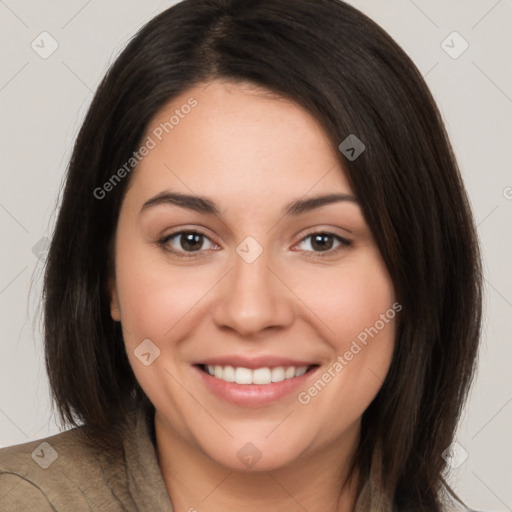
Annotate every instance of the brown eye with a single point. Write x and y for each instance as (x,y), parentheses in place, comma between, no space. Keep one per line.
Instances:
(190,241)
(185,242)
(323,242)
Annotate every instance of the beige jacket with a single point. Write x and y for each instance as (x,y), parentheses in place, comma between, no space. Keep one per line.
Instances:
(61,473)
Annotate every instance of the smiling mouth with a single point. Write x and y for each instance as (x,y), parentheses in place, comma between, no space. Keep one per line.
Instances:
(258,376)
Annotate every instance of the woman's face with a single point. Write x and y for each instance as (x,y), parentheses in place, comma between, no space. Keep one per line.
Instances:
(215,272)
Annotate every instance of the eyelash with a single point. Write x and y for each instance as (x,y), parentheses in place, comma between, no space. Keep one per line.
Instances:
(344,243)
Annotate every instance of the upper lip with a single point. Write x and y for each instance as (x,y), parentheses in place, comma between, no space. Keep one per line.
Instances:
(255,362)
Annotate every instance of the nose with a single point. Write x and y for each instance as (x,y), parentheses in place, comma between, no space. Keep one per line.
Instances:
(252,298)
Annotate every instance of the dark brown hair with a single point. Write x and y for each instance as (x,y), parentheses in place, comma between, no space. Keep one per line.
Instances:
(344,69)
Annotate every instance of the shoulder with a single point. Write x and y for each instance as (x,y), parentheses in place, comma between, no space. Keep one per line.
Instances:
(52,474)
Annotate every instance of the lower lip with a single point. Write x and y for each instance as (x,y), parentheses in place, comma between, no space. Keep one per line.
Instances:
(253,394)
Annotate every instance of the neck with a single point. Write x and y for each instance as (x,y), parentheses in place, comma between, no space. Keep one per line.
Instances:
(317,482)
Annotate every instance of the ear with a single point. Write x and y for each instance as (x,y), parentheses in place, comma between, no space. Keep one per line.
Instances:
(115,311)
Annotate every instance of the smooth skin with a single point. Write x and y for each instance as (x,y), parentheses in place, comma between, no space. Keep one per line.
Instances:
(251,153)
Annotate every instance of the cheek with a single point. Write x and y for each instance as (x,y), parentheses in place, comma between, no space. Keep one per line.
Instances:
(140,292)
(348,299)
(156,297)
(364,304)
(365,325)
(357,305)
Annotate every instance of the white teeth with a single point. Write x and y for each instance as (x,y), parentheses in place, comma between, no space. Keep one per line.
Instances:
(265,375)
(262,376)
(243,376)
(289,372)
(301,371)
(277,374)
(228,374)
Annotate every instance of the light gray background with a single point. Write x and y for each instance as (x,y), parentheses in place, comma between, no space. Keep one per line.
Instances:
(44,100)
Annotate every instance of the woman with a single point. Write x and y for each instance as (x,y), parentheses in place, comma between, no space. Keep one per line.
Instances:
(264,287)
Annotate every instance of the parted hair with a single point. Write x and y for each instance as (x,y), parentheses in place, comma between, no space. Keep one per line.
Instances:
(350,74)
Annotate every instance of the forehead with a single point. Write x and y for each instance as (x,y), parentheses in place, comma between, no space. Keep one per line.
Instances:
(238,139)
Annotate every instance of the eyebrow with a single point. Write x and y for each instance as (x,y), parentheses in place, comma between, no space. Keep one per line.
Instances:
(204,205)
